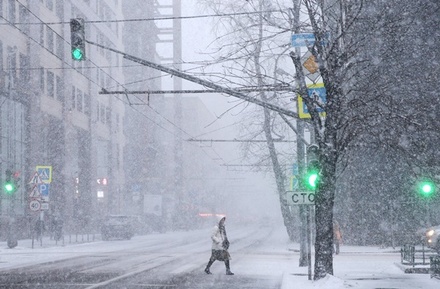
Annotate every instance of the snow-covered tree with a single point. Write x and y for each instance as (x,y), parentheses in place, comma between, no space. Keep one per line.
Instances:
(362,53)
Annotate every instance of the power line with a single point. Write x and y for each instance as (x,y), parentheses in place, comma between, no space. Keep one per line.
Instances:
(91,80)
(61,59)
(236,140)
(152,19)
(118,84)
(194,91)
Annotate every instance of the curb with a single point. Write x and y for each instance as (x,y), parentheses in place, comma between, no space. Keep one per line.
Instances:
(413,270)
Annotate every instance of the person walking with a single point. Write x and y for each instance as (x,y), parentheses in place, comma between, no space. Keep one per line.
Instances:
(337,236)
(220,246)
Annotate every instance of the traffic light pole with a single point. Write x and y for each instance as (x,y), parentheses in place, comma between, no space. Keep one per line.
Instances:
(12,236)
(300,148)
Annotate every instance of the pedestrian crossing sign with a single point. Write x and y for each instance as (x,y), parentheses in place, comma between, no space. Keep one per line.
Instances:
(318,93)
(45,173)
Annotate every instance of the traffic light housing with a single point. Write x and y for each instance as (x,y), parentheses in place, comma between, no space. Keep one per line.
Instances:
(11,185)
(426,188)
(311,175)
(77,39)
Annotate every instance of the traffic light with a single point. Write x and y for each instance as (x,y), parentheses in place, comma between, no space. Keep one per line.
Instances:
(312,179)
(311,175)
(10,185)
(426,188)
(77,39)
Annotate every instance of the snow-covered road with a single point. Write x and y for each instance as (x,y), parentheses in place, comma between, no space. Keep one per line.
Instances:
(262,257)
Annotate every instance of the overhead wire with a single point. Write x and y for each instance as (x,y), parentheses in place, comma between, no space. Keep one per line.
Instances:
(156,18)
(91,80)
(74,68)
(105,72)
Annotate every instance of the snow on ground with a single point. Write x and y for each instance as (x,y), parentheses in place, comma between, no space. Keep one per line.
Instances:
(354,267)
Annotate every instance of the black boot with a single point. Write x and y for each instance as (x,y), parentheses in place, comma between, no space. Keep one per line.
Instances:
(208,266)
(207,271)
(228,269)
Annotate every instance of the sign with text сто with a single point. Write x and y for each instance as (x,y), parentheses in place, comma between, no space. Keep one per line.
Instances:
(300,198)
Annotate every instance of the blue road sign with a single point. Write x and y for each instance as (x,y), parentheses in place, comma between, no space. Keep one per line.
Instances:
(44,189)
(45,173)
(318,92)
(307,39)
(303,39)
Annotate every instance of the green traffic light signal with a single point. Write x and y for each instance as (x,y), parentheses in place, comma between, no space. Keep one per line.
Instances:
(77,54)
(9,187)
(311,180)
(426,188)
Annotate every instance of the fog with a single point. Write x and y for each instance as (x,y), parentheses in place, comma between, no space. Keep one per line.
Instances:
(163,114)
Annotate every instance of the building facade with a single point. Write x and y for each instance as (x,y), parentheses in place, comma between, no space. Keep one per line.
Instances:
(53,115)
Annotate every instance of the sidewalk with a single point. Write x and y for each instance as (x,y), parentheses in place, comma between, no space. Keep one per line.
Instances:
(363,267)
(47,241)
(29,252)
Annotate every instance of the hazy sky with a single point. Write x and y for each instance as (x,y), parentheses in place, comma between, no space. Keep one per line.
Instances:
(256,191)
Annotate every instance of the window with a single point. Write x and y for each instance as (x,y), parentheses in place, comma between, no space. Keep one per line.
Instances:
(79,100)
(108,81)
(42,34)
(12,65)
(50,83)
(49,4)
(1,8)
(59,46)
(11,10)
(102,113)
(107,115)
(73,97)
(24,69)
(60,8)
(102,79)
(23,18)
(50,40)
(87,104)
(60,92)
(42,80)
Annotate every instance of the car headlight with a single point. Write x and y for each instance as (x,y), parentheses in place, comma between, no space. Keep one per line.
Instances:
(430,233)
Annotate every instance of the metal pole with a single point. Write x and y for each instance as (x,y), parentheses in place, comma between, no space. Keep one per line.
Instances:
(200,81)
(309,242)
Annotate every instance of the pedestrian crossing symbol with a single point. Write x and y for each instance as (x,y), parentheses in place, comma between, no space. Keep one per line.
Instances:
(45,173)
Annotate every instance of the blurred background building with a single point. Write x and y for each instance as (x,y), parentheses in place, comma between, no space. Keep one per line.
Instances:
(105,153)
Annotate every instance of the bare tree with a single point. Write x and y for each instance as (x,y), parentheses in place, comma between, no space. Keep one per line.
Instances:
(351,41)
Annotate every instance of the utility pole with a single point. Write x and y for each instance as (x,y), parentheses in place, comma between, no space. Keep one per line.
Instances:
(300,148)
(179,185)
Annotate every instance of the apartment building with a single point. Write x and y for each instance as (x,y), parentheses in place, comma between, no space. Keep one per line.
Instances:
(51,112)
